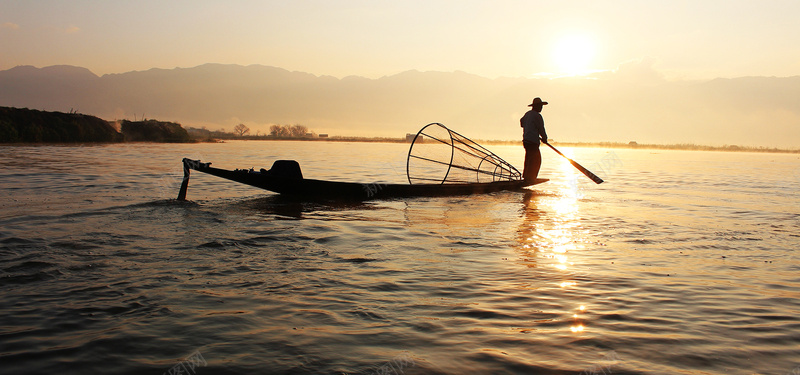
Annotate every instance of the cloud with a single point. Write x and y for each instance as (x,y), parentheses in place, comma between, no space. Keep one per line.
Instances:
(641,71)
(10,26)
(72,30)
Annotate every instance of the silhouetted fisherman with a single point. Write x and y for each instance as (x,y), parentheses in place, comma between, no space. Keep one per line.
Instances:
(532,125)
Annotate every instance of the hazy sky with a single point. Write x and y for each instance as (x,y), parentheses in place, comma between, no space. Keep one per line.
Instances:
(686,39)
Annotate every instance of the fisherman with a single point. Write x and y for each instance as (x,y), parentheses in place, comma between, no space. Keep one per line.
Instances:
(532,125)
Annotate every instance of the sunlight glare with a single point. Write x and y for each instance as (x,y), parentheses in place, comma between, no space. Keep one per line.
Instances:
(578,328)
(573,54)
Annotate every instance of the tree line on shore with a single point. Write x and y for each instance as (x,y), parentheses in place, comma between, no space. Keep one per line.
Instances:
(22,125)
(241,131)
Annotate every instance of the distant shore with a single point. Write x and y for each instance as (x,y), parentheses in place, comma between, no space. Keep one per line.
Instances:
(683,146)
(23,125)
(26,126)
(617,145)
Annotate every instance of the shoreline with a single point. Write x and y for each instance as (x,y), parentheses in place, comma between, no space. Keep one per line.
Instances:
(614,145)
(25,127)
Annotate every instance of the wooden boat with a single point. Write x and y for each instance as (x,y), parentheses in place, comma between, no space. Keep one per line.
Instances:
(471,169)
(282,179)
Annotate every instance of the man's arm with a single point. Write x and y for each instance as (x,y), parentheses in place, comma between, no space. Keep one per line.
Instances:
(540,128)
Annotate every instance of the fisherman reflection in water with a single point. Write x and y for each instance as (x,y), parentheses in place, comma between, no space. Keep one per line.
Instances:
(532,125)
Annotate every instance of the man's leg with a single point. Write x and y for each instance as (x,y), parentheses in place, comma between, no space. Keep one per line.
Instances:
(528,161)
(533,162)
(536,163)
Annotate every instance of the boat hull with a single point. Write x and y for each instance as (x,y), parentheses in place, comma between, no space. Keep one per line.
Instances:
(320,189)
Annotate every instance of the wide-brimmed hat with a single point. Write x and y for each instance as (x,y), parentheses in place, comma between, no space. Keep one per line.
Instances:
(537,101)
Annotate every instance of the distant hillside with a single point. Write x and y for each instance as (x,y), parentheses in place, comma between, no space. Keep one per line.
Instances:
(32,126)
(632,103)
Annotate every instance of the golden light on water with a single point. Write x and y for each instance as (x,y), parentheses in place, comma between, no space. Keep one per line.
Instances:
(551,230)
(554,241)
(578,326)
(561,237)
(549,225)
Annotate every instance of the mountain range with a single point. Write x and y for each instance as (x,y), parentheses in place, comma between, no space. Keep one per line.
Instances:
(632,103)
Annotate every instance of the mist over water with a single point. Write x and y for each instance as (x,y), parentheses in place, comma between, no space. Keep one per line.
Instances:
(681,262)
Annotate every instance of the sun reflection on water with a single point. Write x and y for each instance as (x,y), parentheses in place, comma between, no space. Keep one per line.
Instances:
(550,235)
(550,231)
(578,325)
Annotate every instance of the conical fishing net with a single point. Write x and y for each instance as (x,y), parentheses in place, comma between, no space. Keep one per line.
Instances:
(439,155)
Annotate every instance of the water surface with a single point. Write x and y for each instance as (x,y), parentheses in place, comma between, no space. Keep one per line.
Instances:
(682,262)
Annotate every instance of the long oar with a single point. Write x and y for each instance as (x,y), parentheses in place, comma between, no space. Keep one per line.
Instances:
(583,170)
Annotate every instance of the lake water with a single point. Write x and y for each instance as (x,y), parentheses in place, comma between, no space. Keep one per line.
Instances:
(681,263)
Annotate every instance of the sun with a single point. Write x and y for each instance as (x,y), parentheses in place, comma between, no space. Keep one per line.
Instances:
(574,54)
